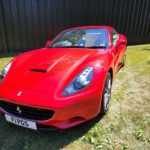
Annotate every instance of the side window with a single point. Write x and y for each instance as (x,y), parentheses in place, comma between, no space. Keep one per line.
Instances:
(114,36)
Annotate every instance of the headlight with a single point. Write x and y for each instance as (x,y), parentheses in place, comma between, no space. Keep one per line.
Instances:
(80,82)
(5,71)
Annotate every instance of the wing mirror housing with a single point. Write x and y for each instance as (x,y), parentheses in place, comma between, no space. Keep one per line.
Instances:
(48,42)
(122,40)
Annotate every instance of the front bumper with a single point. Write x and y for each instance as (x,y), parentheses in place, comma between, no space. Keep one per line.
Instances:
(68,111)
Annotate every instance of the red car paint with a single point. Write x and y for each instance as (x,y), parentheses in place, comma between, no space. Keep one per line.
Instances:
(44,90)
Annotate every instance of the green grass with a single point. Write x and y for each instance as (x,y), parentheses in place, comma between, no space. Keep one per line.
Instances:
(126,125)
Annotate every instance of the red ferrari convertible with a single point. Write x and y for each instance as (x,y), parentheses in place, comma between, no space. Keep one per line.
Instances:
(64,84)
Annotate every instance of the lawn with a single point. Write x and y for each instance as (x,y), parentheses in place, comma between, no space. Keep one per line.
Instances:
(126,125)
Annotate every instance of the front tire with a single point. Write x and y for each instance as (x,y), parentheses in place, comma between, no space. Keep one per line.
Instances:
(106,94)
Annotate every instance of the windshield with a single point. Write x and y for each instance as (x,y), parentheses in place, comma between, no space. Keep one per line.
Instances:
(86,38)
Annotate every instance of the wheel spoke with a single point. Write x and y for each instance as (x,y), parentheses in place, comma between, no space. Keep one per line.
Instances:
(109,84)
(107,94)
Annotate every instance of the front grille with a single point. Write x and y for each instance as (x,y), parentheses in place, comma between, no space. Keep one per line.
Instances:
(26,112)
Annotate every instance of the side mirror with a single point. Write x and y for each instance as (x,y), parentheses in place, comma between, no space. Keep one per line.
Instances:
(122,39)
(48,42)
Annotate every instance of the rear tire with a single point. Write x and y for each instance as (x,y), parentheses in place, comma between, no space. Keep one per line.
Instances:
(124,60)
(106,94)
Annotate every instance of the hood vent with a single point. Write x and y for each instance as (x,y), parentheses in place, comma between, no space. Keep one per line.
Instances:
(38,70)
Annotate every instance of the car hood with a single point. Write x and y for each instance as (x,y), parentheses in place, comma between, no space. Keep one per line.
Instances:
(48,68)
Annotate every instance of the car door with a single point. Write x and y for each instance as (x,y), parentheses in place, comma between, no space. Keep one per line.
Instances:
(115,50)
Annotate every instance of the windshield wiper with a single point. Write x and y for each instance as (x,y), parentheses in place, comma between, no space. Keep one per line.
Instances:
(96,47)
(74,46)
(67,47)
